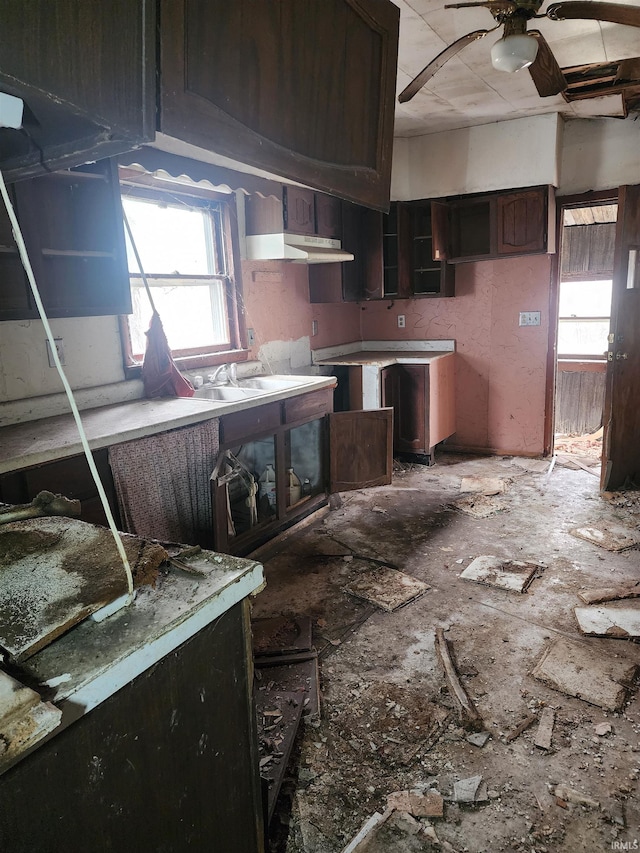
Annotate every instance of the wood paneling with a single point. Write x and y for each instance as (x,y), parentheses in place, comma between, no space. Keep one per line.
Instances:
(588,249)
(579,401)
(167,763)
(305,90)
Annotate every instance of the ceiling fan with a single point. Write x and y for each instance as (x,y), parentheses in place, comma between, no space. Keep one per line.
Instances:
(519,48)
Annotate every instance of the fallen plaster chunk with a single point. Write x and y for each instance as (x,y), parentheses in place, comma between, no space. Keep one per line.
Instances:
(544,734)
(471,790)
(581,671)
(479,506)
(387,588)
(416,803)
(570,795)
(478,738)
(603,729)
(487,486)
(612,537)
(609,593)
(513,575)
(610,620)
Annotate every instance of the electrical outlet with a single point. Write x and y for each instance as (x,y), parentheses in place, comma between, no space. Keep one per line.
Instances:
(529,318)
(314,328)
(251,337)
(401,321)
(60,349)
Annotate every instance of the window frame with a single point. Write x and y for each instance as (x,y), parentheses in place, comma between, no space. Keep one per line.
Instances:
(144,185)
(583,276)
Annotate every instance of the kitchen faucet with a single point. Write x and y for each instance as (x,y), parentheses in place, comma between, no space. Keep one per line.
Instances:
(224,374)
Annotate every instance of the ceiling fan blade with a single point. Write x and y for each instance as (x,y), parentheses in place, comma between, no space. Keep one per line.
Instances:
(436,64)
(593,10)
(545,71)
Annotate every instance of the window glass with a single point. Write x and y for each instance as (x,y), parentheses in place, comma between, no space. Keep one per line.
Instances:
(583,324)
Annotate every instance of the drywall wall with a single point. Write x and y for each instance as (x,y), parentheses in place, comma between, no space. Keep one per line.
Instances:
(501,367)
(502,155)
(599,154)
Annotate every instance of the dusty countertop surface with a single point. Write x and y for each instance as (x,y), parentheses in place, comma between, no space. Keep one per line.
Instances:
(384,358)
(89,663)
(36,442)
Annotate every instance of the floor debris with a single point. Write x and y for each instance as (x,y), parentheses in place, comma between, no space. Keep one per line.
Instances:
(281,635)
(520,728)
(387,588)
(24,719)
(603,729)
(479,506)
(609,593)
(471,790)
(514,575)
(478,738)
(394,831)
(416,803)
(570,795)
(544,735)
(487,486)
(610,620)
(467,711)
(579,670)
(614,537)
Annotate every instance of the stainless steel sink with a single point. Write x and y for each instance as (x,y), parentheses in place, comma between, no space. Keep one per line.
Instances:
(273,383)
(229,393)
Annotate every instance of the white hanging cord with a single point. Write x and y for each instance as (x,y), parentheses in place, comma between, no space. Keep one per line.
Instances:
(17,234)
(138,261)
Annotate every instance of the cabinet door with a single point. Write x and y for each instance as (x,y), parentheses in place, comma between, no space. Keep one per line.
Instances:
(72,225)
(328,216)
(522,222)
(299,210)
(361,449)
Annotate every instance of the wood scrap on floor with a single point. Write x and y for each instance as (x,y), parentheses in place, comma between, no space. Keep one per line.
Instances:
(388,589)
(609,593)
(280,635)
(616,619)
(612,537)
(579,670)
(479,506)
(467,711)
(520,728)
(395,831)
(513,575)
(544,735)
(570,795)
(24,719)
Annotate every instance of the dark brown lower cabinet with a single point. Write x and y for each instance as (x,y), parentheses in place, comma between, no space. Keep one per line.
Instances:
(168,763)
(279,462)
(423,401)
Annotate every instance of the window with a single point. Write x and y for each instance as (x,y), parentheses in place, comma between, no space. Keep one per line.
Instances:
(185,246)
(583,322)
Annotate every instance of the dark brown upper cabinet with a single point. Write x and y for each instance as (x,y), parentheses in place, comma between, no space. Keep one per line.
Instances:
(298,211)
(494,225)
(86,73)
(304,90)
(72,226)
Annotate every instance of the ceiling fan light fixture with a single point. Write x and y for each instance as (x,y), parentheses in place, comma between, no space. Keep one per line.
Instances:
(514,52)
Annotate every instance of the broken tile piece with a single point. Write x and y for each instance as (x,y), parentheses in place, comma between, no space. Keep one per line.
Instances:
(603,729)
(613,537)
(544,733)
(387,588)
(467,790)
(478,738)
(514,575)
(610,620)
(486,486)
(581,671)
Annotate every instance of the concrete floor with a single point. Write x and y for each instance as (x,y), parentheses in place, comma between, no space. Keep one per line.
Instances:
(388,721)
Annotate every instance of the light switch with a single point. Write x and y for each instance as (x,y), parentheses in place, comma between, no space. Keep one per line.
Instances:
(529,318)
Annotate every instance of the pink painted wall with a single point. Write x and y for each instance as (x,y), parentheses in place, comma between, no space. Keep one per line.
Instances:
(277,307)
(501,367)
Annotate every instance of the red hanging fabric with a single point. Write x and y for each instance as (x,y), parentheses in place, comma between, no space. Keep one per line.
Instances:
(160,374)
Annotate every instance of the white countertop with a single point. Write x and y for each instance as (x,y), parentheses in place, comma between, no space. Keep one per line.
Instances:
(36,442)
(384,358)
(91,662)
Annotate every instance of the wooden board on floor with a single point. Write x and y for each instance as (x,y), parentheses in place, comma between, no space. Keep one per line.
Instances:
(387,588)
(580,670)
(612,537)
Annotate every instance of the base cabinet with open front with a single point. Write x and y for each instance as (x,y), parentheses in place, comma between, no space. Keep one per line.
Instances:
(279,461)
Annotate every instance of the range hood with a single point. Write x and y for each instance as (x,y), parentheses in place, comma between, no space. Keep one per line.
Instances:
(298,248)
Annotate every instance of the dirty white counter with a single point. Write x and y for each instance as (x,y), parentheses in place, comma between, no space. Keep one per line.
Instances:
(373,356)
(35,442)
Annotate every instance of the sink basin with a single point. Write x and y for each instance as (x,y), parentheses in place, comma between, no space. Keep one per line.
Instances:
(272,383)
(226,392)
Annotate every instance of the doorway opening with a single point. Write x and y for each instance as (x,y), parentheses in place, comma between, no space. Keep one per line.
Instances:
(584,296)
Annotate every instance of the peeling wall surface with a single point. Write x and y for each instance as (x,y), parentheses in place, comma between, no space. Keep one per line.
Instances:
(500,374)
